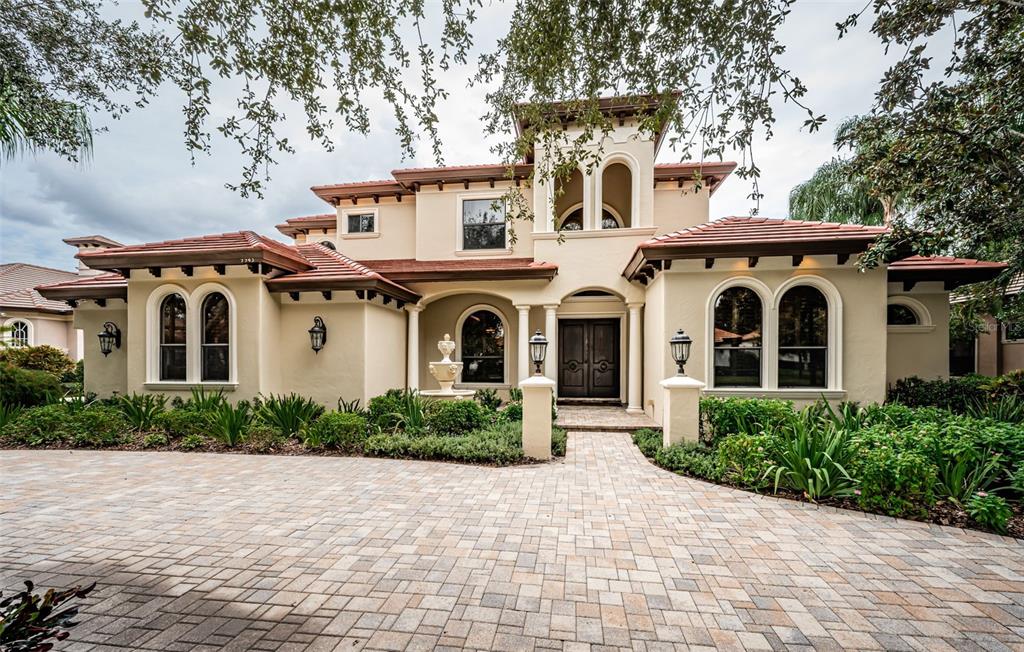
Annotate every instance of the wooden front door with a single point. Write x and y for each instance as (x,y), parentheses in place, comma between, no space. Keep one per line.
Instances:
(588,358)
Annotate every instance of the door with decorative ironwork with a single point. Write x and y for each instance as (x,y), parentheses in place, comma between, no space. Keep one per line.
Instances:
(588,358)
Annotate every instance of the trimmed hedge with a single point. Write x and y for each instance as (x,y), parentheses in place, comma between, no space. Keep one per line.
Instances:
(500,445)
(342,430)
(454,417)
(54,425)
(721,417)
(26,387)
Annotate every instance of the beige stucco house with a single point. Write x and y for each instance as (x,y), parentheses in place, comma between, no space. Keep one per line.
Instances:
(609,269)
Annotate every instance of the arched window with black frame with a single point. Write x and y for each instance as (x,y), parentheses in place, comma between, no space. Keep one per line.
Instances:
(739,315)
(803,338)
(173,353)
(483,348)
(215,361)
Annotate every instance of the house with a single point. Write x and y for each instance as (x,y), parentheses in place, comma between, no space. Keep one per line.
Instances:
(30,318)
(998,349)
(609,269)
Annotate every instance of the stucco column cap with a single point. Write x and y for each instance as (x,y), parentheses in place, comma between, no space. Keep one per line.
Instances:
(682,382)
(537,382)
(414,307)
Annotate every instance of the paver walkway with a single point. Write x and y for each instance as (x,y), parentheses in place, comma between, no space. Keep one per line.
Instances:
(207,551)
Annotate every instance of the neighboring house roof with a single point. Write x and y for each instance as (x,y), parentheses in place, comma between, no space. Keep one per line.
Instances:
(405,270)
(333,270)
(954,272)
(751,237)
(100,287)
(17,283)
(223,249)
(93,240)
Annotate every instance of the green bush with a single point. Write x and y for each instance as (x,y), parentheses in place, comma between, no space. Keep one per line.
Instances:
(511,413)
(192,441)
(454,417)
(990,511)
(721,417)
(1004,408)
(352,407)
(488,399)
(384,410)
(745,460)
(693,459)
(501,445)
(26,387)
(155,440)
(559,442)
(39,426)
(894,481)
(8,413)
(39,358)
(55,424)
(342,430)
(182,422)
(142,410)
(813,456)
(205,401)
(98,426)
(229,423)
(648,441)
(290,413)
(955,393)
(261,438)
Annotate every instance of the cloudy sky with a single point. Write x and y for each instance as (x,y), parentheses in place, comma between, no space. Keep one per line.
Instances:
(140,185)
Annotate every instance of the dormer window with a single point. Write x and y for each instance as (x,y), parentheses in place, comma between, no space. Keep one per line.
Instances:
(483,224)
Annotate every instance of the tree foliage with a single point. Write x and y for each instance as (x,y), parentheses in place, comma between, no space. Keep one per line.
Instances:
(833,194)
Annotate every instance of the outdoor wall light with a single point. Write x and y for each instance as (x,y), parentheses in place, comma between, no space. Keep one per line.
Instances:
(538,348)
(110,338)
(318,334)
(680,347)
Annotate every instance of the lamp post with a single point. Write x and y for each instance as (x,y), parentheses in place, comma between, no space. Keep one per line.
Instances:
(538,349)
(680,347)
(110,338)
(318,334)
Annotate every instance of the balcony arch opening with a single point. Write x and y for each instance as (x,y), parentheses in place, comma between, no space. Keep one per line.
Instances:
(617,194)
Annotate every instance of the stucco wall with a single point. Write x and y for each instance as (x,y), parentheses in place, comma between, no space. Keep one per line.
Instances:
(1013,357)
(439,220)
(920,350)
(337,371)
(108,375)
(384,349)
(678,208)
(396,230)
(50,329)
(654,347)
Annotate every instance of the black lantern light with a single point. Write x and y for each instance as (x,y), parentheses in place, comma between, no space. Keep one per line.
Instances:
(680,346)
(318,334)
(538,348)
(110,338)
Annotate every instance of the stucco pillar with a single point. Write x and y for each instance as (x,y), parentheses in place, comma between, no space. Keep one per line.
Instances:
(523,365)
(681,418)
(551,332)
(588,203)
(634,382)
(412,356)
(537,391)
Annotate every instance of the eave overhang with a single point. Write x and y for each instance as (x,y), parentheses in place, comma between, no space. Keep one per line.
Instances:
(115,261)
(326,284)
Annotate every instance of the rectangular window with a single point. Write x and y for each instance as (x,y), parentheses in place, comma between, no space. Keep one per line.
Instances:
(361,222)
(483,224)
(1014,332)
(172,362)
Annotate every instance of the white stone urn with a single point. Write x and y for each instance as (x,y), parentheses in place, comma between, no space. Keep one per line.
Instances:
(446,371)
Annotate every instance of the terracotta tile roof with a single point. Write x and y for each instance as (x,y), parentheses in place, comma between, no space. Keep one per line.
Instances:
(711,172)
(943,262)
(226,248)
(17,283)
(333,270)
(100,286)
(409,270)
(296,225)
(953,272)
(94,240)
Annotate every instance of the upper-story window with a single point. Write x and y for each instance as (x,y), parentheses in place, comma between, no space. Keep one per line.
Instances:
(483,224)
(574,220)
(361,222)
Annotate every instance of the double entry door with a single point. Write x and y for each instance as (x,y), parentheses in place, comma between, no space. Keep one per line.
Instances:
(588,358)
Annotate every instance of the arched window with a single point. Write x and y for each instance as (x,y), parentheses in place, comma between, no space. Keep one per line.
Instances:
(215,344)
(803,338)
(20,334)
(738,337)
(574,220)
(173,354)
(898,314)
(483,348)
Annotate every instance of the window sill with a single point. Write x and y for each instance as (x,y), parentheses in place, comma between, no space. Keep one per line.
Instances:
(484,252)
(786,394)
(911,329)
(482,386)
(360,236)
(174,385)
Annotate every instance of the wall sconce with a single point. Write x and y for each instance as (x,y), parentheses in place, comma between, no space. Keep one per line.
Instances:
(318,334)
(110,338)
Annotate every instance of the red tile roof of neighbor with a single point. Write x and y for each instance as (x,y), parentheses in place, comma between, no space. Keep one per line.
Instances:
(482,269)
(17,283)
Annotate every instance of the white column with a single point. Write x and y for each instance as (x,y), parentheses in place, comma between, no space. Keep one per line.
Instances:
(523,366)
(551,332)
(412,356)
(634,382)
(588,203)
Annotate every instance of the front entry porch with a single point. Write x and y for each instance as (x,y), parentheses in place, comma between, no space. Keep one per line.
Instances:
(602,418)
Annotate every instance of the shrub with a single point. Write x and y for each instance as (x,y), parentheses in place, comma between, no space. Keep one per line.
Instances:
(8,413)
(384,409)
(454,417)
(28,621)
(961,477)
(55,424)
(1009,384)
(155,440)
(261,438)
(559,442)
(98,426)
(342,430)
(290,413)
(26,387)
(721,417)
(487,398)
(191,442)
(229,423)
(746,459)
(989,511)
(648,441)
(813,456)
(501,445)
(39,358)
(1007,408)
(352,407)
(39,426)
(141,410)
(955,393)
(182,422)
(205,401)
(894,481)
(692,459)
(515,395)
(511,413)
(410,411)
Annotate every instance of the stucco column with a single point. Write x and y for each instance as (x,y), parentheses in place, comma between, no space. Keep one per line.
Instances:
(551,332)
(523,366)
(588,203)
(634,382)
(412,356)
(681,419)
(537,417)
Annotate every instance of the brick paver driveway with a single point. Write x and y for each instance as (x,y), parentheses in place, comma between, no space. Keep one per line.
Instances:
(247,552)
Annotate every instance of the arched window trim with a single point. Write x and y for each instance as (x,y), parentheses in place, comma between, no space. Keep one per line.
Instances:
(509,341)
(834,358)
(196,352)
(634,184)
(924,316)
(193,333)
(578,205)
(769,354)
(29,328)
(160,344)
